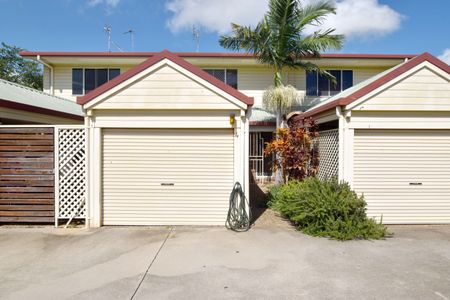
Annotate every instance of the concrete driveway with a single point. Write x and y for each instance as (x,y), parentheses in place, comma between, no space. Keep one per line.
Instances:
(213,263)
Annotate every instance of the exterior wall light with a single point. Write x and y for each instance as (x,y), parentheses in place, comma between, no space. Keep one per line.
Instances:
(232,119)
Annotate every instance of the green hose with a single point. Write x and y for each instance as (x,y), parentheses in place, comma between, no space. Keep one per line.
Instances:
(238,219)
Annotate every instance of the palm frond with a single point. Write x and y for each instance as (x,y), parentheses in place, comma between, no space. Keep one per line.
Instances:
(315,13)
(320,41)
(277,40)
(243,37)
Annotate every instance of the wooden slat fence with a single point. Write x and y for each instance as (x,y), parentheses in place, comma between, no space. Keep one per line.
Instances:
(27,175)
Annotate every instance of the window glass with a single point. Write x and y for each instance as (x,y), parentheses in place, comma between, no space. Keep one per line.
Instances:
(113,73)
(218,73)
(77,81)
(335,88)
(324,85)
(311,83)
(89,80)
(101,77)
(347,79)
(232,78)
(86,80)
(321,86)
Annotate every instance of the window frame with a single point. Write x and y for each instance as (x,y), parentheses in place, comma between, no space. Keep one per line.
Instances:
(83,70)
(225,70)
(317,91)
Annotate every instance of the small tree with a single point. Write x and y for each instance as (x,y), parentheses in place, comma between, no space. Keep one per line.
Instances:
(296,156)
(280,40)
(15,68)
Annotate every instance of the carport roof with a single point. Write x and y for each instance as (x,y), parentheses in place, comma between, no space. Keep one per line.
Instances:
(155,59)
(16,96)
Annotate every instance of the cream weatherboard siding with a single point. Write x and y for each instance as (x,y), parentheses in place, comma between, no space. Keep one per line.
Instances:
(404,174)
(166,88)
(166,177)
(252,81)
(63,79)
(422,90)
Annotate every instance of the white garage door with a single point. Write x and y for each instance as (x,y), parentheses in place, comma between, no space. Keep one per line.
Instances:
(166,177)
(404,174)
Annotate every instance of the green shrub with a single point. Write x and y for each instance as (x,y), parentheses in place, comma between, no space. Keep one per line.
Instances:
(325,208)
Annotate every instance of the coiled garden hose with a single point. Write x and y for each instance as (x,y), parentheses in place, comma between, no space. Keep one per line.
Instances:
(238,219)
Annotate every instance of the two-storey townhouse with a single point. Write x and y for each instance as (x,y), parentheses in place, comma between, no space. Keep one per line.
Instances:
(73,74)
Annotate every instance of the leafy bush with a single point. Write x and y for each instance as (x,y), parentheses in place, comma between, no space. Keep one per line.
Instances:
(294,151)
(325,208)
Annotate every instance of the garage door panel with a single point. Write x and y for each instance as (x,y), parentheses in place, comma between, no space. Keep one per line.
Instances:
(387,161)
(139,163)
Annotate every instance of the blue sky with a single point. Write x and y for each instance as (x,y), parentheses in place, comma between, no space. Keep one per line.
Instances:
(371,26)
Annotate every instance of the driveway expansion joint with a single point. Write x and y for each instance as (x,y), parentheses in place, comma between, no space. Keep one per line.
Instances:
(151,263)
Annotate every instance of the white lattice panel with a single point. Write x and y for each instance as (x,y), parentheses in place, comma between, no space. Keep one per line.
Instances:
(328,146)
(72,172)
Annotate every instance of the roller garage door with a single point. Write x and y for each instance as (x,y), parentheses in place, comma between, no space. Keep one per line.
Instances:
(404,174)
(166,177)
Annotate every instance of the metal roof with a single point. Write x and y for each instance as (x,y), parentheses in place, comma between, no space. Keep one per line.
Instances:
(25,96)
(261,115)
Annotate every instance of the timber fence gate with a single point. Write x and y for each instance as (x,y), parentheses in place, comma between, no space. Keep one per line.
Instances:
(42,173)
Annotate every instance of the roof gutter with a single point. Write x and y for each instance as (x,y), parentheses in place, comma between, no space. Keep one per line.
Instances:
(38,58)
(39,110)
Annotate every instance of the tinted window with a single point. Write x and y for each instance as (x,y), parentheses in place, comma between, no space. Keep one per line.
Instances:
(113,73)
(101,77)
(218,73)
(324,85)
(77,81)
(347,79)
(232,78)
(89,80)
(311,83)
(335,88)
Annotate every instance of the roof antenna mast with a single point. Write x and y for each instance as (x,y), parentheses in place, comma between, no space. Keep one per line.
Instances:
(107,29)
(131,33)
(196,36)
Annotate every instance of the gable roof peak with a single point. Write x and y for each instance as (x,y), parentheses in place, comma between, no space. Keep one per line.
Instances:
(354,93)
(165,54)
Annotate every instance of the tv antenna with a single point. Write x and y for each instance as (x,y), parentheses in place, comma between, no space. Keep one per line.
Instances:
(131,33)
(107,29)
(196,36)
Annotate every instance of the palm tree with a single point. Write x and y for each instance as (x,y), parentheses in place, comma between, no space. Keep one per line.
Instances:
(278,41)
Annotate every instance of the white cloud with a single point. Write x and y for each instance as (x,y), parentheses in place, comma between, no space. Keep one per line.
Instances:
(445,56)
(214,15)
(109,3)
(354,18)
(362,18)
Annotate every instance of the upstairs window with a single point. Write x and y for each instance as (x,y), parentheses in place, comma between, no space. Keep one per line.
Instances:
(229,76)
(86,80)
(319,85)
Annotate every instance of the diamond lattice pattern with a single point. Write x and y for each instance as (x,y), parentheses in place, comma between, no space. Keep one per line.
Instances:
(72,175)
(328,144)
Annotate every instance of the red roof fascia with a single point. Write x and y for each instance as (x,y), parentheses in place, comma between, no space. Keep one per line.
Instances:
(38,110)
(200,54)
(379,82)
(155,59)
